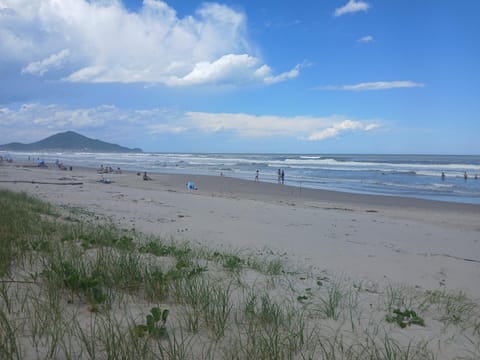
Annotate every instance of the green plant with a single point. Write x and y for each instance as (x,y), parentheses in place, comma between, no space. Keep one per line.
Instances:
(155,324)
(217,307)
(78,281)
(233,263)
(330,304)
(302,298)
(405,318)
(452,307)
(270,312)
(157,248)
(8,338)
(105,235)
(157,284)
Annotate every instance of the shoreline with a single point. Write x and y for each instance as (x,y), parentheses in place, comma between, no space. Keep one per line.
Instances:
(266,190)
(427,187)
(424,243)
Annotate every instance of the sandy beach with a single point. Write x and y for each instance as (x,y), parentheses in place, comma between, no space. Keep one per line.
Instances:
(385,240)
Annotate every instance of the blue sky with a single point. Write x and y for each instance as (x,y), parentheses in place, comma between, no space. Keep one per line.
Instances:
(331,76)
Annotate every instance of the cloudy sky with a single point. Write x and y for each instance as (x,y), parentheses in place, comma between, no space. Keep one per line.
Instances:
(323,76)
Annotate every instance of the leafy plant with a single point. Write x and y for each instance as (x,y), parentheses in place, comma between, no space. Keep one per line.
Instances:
(302,298)
(77,281)
(233,263)
(155,324)
(405,318)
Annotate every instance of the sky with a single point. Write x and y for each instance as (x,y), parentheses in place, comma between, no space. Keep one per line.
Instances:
(245,76)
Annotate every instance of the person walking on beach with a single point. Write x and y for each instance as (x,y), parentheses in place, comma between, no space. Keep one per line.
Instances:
(257,173)
(283,177)
(146,177)
(279,173)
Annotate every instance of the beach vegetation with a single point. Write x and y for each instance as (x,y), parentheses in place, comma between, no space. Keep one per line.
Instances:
(332,301)
(451,307)
(405,318)
(73,285)
(233,263)
(154,325)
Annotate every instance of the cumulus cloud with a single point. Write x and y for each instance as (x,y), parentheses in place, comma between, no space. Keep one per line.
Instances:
(108,43)
(351,7)
(379,85)
(231,69)
(366,39)
(111,120)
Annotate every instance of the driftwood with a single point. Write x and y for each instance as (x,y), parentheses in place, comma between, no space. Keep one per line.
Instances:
(41,182)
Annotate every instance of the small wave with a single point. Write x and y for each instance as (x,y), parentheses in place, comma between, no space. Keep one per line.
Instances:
(444,186)
(310,157)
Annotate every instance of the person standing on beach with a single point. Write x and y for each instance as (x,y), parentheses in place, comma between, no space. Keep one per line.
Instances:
(279,173)
(257,173)
(283,177)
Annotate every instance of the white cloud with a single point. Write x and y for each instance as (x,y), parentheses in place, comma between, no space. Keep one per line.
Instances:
(282,77)
(157,129)
(110,120)
(300,127)
(366,39)
(336,129)
(108,43)
(351,7)
(42,66)
(379,85)
(231,68)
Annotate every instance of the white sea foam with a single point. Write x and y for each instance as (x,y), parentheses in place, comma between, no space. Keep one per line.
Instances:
(403,175)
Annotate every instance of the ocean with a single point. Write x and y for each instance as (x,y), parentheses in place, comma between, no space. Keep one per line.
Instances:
(416,176)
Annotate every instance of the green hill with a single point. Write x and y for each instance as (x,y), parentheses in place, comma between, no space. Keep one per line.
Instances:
(68,141)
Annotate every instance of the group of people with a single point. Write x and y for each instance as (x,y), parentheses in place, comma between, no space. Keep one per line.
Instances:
(108,170)
(60,165)
(7,159)
(465,176)
(280,176)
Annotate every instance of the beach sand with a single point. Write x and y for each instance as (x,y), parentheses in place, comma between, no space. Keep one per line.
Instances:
(379,239)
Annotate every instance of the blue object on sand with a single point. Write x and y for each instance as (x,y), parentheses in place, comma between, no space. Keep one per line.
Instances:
(191,185)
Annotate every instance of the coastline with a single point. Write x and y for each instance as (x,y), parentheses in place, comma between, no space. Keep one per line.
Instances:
(411,176)
(423,243)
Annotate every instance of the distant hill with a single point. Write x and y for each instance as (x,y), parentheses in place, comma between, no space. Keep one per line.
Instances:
(68,141)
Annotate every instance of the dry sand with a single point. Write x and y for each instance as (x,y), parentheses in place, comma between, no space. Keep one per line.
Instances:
(427,244)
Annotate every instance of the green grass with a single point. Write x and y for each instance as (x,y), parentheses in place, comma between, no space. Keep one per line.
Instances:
(74,286)
(451,307)
(331,303)
(22,225)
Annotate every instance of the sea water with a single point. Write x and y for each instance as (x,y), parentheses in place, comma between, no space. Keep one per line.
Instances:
(417,176)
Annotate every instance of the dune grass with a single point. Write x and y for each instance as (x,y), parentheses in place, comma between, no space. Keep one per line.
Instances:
(72,286)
